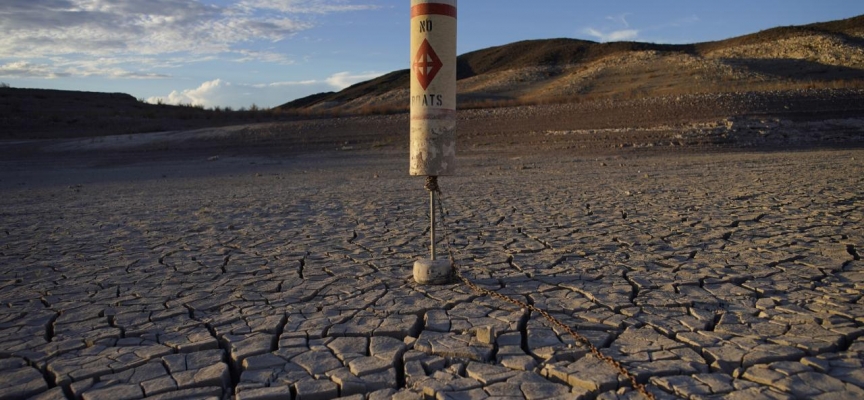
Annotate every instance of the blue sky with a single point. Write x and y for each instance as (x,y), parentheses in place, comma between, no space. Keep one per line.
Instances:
(267,52)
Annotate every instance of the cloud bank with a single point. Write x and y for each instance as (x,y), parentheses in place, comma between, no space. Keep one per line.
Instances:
(86,37)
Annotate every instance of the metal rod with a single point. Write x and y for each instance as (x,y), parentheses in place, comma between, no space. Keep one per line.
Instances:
(432,215)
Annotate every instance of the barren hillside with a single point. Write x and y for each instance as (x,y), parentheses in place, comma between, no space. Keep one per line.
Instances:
(822,55)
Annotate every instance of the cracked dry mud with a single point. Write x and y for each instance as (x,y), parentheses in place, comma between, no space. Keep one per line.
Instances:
(708,276)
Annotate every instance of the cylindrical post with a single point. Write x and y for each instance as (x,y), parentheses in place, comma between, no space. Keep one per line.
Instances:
(433,87)
(432,220)
(433,112)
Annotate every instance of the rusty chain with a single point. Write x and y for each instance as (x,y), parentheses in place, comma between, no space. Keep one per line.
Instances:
(432,185)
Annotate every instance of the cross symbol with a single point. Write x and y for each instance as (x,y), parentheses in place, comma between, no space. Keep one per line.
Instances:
(426,64)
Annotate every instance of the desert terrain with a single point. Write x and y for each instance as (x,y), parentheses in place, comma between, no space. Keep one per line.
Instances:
(708,240)
(712,257)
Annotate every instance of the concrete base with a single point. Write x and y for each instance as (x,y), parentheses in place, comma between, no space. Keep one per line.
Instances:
(432,272)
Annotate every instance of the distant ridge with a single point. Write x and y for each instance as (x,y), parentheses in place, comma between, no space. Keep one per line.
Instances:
(27,113)
(827,54)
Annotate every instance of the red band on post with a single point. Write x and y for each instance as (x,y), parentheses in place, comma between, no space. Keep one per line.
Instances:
(433,9)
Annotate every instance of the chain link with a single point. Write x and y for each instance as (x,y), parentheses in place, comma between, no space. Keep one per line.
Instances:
(641,388)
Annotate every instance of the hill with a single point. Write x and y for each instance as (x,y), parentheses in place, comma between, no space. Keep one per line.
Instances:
(820,55)
(43,113)
(811,72)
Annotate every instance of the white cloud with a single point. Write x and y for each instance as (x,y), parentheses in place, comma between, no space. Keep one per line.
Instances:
(23,69)
(621,19)
(613,36)
(265,56)
(227,94)
(285,84)
(619,30)
(185,30)
(62,69)
(201,95)
(305,6)
(342,80)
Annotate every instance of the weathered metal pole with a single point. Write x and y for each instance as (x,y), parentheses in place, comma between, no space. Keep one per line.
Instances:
(433,110)
(432,226)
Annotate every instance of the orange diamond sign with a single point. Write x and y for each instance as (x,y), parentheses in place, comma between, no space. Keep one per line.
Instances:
(426,64)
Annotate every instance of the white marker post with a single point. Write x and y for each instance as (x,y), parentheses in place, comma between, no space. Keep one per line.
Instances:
(433,110)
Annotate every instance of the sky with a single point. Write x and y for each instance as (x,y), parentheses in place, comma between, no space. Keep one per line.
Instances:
(236,53)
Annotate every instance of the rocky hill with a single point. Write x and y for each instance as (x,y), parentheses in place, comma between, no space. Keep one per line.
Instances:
(821,55)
